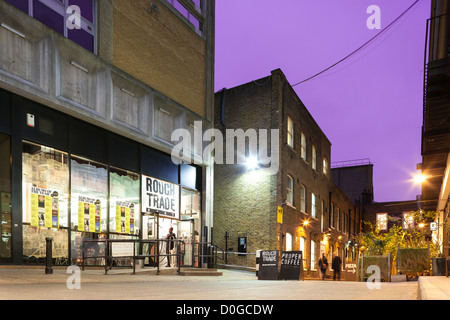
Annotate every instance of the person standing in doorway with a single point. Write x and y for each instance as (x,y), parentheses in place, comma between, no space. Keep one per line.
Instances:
(171,247)
(323,265)
(336,265)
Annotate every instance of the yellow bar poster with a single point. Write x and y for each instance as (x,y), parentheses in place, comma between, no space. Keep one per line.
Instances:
(124,217)
(44,206)
(89,211)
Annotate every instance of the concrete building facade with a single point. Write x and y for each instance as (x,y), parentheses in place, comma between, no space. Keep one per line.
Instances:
(89,97)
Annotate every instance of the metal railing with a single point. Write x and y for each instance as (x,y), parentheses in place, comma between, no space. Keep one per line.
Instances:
(109,256)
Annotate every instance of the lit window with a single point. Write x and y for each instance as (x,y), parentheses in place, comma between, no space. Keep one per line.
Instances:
(290,133)
(325,166)
(313,255)
(382,221)
(302,198)
(290,191)
(289,242)
(408,220)
(314,158)
(313,206)
(303,147)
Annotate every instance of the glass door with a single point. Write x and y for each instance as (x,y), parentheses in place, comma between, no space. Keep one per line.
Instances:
(186,234)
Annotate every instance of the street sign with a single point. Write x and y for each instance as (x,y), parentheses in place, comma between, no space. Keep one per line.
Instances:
(291,264)
(433,226)
(280,215)
(350,271)
(268,265)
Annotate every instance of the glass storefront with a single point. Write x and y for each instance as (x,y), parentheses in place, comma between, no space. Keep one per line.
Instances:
(45,197)
(5,198)
(65,194)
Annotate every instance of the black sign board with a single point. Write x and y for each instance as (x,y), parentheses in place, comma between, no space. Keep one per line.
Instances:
(268,265)
(291,265)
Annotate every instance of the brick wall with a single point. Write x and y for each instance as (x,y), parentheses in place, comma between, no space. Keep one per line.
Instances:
(245,203)
(159,49)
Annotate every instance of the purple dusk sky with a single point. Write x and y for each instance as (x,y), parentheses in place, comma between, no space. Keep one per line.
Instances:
(369,106)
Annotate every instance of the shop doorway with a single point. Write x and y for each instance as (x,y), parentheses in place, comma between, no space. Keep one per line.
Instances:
(186,233)
(156,227)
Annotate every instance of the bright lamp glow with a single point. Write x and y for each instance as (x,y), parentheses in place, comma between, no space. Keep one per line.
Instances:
(252,163)
(420,178)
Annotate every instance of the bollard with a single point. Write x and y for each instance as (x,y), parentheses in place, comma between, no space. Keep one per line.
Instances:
(48,258)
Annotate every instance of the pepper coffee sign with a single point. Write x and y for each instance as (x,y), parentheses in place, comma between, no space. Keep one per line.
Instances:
(160,196)
(291,265)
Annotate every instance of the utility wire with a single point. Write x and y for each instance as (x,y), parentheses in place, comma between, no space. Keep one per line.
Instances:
(361,47)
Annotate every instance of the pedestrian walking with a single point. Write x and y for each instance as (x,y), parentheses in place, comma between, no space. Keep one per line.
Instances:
(336,265)
(323,265)
(171,247)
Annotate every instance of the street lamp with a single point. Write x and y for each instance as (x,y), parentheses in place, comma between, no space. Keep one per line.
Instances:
(252,163)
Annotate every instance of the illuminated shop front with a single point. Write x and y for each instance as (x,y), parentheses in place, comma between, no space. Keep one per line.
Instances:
(69,180)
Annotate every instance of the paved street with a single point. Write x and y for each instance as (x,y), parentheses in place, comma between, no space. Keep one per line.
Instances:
(233,285)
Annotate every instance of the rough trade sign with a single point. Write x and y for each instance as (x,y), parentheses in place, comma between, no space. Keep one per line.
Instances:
(160,196)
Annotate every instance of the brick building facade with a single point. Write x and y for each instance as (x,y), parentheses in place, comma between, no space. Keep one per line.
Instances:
(317,216)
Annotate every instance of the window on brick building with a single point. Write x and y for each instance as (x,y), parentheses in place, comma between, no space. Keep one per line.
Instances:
(290,191)
(313,255)
(189,12)
(303,147)
(382,221)
(314,158)
(408,220)
(332,215)
(290,133)
(302,198)
(325,166)
(313,206)
(57,15)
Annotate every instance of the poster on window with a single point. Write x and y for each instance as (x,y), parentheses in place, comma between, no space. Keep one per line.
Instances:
(89,211)
(44,206)
(160,196)
(124,217)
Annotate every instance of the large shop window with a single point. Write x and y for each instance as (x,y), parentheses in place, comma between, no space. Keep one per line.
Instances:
(55,13)
(89,187)
(5,198)
(124,211)
(45,194)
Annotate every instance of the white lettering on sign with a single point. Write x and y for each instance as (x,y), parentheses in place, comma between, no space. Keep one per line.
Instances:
(160,196)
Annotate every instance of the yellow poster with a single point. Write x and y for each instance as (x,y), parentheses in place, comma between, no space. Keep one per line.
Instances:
(124,217)
(89,212)
(280,215)
(44,205)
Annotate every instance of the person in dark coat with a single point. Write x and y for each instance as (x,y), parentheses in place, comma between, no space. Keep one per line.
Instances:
(336,265)
(323,265)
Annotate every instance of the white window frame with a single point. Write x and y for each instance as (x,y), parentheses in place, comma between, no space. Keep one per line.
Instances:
(313,206)
(313,255)
(303,198)
(303,146)
(382,221)
(290,133)
(314,158)
(290,191)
